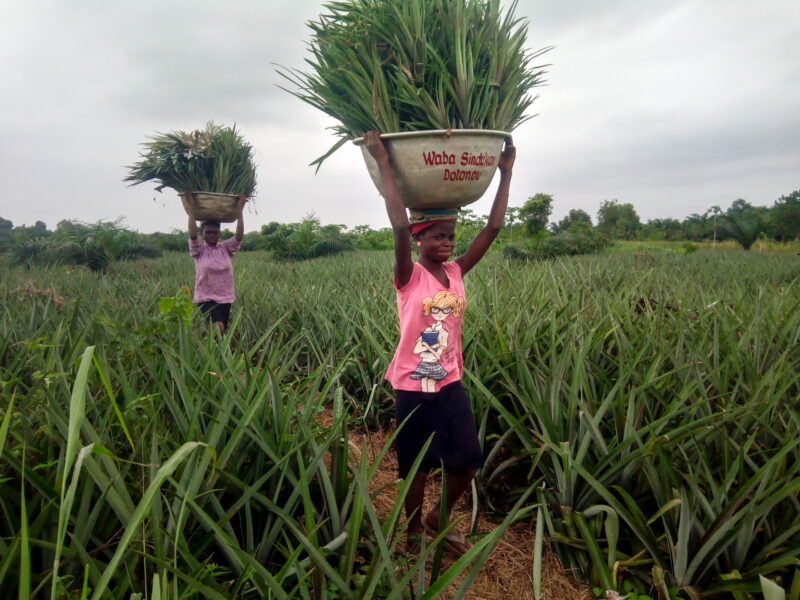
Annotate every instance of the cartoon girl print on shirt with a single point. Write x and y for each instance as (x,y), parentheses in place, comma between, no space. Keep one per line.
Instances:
(432,342)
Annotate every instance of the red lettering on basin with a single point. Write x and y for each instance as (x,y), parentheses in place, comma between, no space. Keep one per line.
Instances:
(477,160)
(461,175)
(433,158)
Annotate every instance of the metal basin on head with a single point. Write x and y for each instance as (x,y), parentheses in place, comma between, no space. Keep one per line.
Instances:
(210,206)
(439,168)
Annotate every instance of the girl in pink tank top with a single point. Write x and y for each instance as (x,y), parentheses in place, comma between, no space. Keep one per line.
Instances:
(427,365)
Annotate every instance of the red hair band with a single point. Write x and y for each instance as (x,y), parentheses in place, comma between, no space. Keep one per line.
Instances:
(417,227)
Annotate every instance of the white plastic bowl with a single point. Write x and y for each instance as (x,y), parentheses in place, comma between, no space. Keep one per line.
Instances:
(210,206)
(439,168)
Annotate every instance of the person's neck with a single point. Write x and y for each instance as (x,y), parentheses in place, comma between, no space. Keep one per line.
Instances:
(431,265)
(436,269)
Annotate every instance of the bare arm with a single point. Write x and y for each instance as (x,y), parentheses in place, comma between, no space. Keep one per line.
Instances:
(192,220)
(395,209)
(484,239)
(239,221)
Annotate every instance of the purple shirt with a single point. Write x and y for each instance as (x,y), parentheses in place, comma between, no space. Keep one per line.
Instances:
(213,270)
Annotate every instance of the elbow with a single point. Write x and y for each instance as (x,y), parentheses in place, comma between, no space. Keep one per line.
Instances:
(493,229)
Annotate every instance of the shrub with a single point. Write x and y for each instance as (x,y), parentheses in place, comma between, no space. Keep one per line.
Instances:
(29,253)
(301,241)
(331,246)
(570,244)
(517,252)
(689,247)
(561,244)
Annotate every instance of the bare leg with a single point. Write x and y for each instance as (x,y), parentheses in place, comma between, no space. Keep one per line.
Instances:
(457,484)
(413,502)
(413,506)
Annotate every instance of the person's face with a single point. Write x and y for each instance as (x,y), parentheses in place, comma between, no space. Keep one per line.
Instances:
(210,234)
(437,241)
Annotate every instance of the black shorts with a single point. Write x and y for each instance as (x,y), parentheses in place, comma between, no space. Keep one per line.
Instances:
(448,415)
(215,312)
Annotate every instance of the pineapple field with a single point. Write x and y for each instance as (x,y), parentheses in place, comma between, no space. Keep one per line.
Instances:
(639,412)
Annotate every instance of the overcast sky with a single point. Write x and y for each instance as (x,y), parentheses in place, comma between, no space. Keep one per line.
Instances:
(671,106)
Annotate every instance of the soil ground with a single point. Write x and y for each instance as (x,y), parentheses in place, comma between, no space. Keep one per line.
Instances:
(507,574)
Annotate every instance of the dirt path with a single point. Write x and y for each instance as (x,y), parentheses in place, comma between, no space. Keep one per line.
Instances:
(507,574)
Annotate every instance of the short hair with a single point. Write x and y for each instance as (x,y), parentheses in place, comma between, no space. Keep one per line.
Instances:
(205,224)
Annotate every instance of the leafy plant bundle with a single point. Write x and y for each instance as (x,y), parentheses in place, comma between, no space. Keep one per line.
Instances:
(216,159)
(410,65)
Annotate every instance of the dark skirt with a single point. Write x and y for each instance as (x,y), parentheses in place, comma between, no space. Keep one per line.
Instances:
(446,414)
(216,312)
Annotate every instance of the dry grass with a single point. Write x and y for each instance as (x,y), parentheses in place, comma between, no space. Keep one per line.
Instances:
(32,289)
(508,571)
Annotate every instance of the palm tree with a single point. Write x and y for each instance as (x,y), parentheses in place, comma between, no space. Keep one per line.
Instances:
(743,222)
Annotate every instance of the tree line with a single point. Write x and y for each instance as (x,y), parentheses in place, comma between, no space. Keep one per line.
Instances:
(527,232)
(741,222)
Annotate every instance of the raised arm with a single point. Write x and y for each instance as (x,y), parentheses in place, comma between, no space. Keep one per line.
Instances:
(190,211)
(484,239)
(395,209)
(239,220)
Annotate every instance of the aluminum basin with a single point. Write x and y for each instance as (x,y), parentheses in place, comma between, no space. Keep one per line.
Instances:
(440,168)
(210,206)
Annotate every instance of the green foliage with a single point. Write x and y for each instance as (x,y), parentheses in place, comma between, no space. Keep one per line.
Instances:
(254,240)
(178,307)
(784,218)
(698,227)
(743,222)
(162,459)
(646,404)
(689,247)
(73,243)
(305,240)
(366,238)
(577,221)
(215,159)
(11,237)
(634,590)
(662,229)
(662,435)
(468,225)
(535,213)
(30,253)
(618,221)
(571,244)
(6,235)
(174,241)
(517,252)
(407,65)
(560,244)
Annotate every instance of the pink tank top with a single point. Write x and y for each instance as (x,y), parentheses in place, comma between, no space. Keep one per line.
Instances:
(428,356)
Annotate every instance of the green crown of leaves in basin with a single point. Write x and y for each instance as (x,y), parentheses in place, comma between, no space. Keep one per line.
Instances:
(411,65)
(216,159)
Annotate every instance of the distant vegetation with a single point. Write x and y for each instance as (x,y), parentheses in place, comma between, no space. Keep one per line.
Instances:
(526,235)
